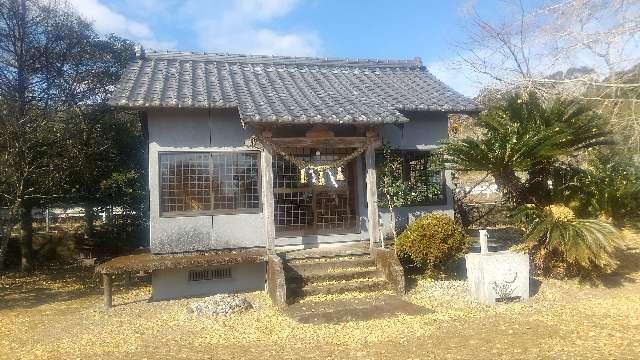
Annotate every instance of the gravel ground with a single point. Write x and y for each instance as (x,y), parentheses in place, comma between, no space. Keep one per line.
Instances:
(219,305)
(58,314)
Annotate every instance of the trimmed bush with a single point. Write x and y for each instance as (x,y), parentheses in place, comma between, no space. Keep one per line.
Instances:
(433,242)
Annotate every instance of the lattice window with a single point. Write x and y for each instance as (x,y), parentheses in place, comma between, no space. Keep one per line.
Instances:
(235,180)
(303,208)
(185,182)
(209,182)
(293,211)
(333,211)
(421,176)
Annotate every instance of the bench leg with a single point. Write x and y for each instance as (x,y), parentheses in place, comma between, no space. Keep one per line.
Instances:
(107,282)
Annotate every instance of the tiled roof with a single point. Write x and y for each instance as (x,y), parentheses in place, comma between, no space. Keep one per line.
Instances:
(287,89)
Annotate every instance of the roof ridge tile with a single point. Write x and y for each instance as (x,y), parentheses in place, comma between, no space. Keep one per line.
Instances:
(281,60)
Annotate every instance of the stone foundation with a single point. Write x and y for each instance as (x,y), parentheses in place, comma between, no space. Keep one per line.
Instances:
(388,264)
(276,284)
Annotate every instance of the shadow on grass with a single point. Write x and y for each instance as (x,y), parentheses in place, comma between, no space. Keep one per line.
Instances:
(58,284)
(534,286)
(114,305)
(629,259)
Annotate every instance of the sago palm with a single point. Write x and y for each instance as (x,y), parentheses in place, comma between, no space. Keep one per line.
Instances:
(526,135)
(560,244)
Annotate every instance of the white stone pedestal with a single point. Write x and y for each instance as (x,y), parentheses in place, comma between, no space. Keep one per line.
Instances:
(498,277)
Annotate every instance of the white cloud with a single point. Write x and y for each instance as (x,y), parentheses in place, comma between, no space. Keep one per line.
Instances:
(107,21)
(245,26)
(266,9)
(235,26)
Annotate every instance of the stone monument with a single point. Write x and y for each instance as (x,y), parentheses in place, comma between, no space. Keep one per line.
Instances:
(497,276)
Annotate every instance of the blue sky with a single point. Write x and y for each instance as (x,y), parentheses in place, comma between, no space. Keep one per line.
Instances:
(327,28)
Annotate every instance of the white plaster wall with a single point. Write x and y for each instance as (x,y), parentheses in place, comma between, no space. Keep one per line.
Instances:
(406,215)
(173,284)
(423,132)
(197,130)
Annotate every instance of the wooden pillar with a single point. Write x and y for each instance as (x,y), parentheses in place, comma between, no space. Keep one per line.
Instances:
(266,173)
(372,197)
(107,284)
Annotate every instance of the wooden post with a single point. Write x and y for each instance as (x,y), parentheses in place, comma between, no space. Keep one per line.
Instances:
(484,247)
(107,282)
(266,173)
(127,278)
(48,220)
(372,197)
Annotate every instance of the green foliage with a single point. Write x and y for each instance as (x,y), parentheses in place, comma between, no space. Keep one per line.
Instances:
(563,246)
(523,139)
(433,242)
(121,234)
(106,159)
(396,190)
(606,185)
(56,135)
(124,189)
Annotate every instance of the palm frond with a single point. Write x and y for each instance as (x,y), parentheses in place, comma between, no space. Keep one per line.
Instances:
(524,132)
(584,246)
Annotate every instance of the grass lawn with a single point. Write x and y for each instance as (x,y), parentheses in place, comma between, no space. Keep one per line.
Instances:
(58,314)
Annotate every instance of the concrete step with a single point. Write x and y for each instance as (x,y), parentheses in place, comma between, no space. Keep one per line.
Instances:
(324,253)
(335,275)
(323,265)
(365,285)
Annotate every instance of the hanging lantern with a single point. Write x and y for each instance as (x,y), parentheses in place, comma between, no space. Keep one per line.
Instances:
(340,176)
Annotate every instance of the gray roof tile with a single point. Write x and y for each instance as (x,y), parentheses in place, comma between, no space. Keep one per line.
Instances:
(287,89)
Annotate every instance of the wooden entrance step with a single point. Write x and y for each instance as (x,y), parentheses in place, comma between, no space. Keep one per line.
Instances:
(314,266)
(339,275)
(331,272)
(324,253)
(339,287)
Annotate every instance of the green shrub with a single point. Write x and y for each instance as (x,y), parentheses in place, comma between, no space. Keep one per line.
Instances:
(433,242)
(607,185)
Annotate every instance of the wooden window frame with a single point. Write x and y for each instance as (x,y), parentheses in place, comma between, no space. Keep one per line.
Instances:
(212,212)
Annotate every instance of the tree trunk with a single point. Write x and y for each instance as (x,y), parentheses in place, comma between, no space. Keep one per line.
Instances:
(538,191)
(6,225)
(4,244)
(89,222)
(26,239)
(510,186)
